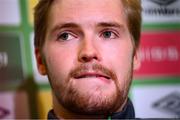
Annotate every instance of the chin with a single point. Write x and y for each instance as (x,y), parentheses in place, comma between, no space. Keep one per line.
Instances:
(92,102)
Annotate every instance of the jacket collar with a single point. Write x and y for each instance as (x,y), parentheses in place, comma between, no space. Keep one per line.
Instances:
(127,113)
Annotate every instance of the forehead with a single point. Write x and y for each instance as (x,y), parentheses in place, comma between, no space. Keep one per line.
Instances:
(86,11)
(87,3)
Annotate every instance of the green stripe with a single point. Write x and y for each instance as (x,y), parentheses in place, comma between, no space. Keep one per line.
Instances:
(109,117)
(26,29)
(157,81)
(161,26)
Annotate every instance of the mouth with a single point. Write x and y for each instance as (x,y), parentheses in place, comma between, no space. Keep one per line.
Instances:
(91,75)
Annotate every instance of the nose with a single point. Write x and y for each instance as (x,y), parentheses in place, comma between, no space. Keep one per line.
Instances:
(88,52)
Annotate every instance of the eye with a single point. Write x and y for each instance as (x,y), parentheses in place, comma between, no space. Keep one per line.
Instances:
(109,35)
(65,36)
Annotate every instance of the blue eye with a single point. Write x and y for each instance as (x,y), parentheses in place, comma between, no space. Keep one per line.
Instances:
(65,36)
(109,35)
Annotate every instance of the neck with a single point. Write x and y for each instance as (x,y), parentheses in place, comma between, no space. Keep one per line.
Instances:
(63,113)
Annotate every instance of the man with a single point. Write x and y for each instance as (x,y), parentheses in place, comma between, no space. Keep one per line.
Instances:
(87,48)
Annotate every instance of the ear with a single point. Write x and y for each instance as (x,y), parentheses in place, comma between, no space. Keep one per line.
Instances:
(136,60)
(40,63)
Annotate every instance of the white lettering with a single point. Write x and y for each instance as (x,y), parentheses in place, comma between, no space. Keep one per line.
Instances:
(3,60)
(160,54)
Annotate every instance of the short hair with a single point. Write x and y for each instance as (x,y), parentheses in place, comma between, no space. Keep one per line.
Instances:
(132,10)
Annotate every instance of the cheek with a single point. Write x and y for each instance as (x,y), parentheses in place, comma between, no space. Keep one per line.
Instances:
(59,63)
(120,59)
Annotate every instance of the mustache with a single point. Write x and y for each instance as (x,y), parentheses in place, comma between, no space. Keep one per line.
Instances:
(98,68)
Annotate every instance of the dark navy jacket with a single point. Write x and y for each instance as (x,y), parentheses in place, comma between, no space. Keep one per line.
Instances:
(126,113)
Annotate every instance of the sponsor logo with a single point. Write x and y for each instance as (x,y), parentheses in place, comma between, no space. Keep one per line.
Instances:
(163,2)
(159,54)
(169,103)
(163,8)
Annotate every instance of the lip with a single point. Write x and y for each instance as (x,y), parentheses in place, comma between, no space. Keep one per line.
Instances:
(91,75)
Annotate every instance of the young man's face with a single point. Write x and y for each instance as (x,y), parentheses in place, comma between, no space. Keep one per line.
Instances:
(88,55)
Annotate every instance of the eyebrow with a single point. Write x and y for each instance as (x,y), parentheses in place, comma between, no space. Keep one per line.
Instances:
(117,25)
(66,25)
(110,24)
(77,26)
